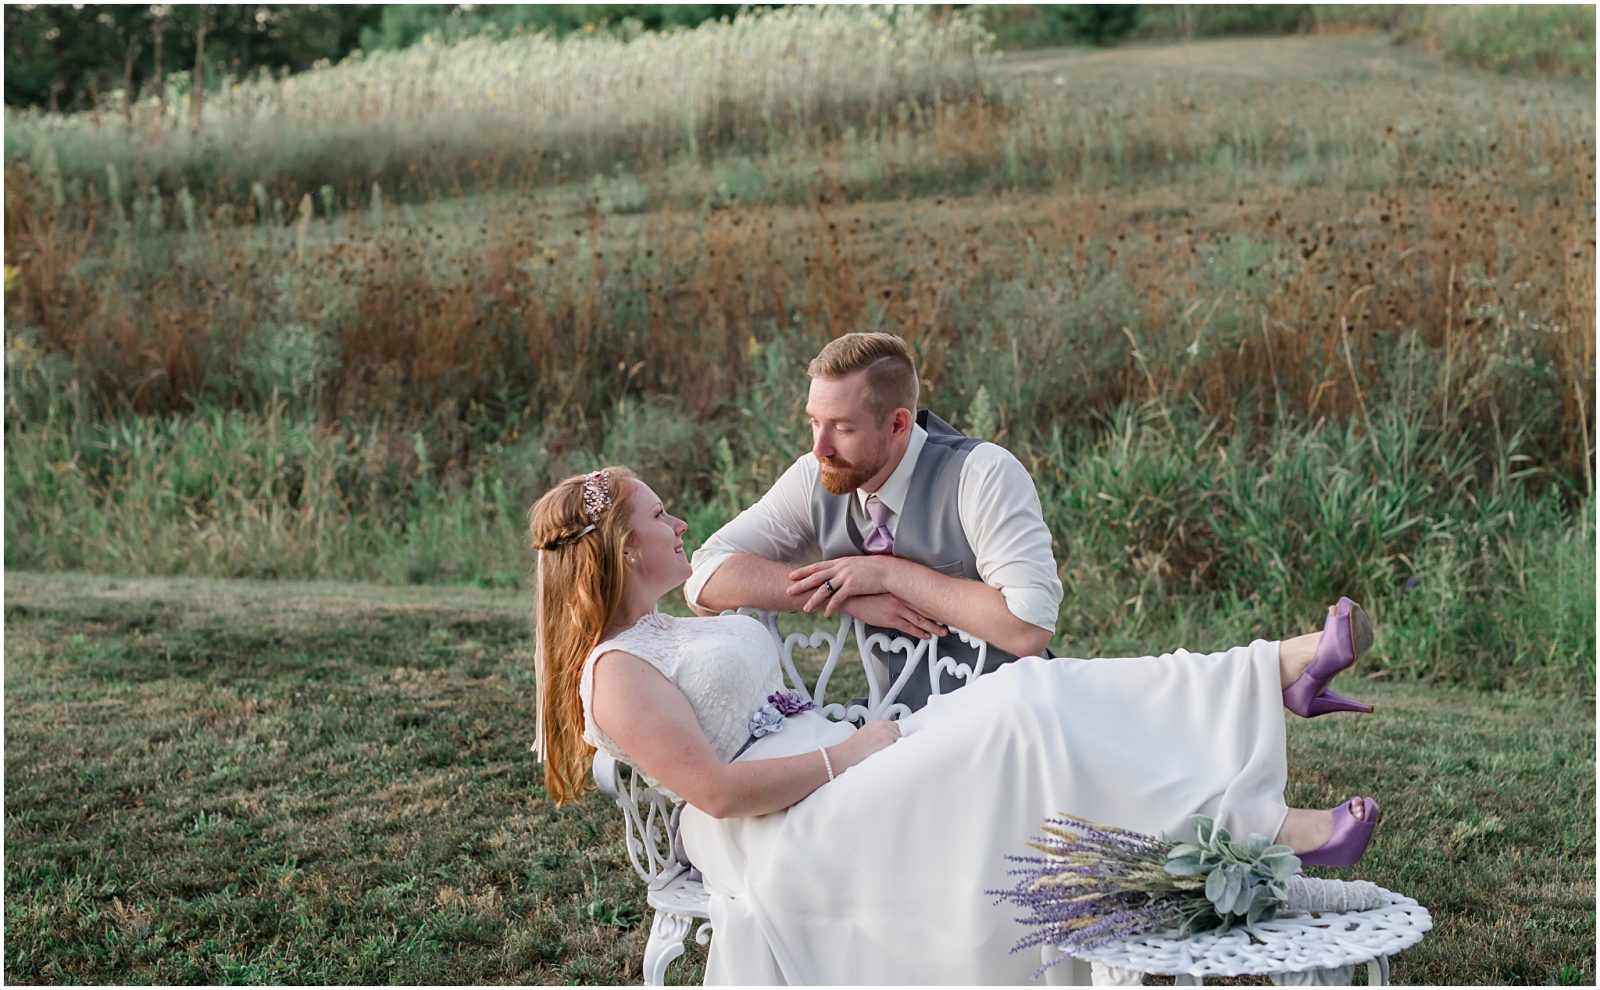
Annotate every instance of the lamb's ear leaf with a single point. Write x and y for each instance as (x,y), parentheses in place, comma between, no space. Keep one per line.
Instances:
(1284,869)
(1247,893)
(1231,889)
(1262,906)
(1216,883)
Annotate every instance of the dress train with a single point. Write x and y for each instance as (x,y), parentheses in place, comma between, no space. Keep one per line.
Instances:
(879,876)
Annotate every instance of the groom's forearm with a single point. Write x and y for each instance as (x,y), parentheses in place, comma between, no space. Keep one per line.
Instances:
(970,605)
(747,581)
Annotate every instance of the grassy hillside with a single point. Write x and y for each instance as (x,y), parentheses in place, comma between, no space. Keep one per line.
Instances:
(1269,320)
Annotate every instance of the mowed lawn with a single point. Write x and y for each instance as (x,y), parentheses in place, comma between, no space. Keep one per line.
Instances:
(218,782)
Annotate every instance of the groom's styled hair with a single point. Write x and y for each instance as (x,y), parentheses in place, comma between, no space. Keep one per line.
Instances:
(891,373)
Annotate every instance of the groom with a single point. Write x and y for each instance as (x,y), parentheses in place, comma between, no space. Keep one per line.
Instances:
(893,517)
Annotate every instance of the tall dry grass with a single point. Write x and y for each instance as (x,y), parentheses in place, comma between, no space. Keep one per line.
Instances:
(1193,253)
(1323,255)
(482,113)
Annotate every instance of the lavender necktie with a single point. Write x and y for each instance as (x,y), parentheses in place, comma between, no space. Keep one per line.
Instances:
(879,539)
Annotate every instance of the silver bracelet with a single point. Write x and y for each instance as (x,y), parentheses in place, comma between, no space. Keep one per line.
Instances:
(826,762)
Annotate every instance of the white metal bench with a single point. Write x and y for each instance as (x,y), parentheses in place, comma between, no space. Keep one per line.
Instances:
(651,818)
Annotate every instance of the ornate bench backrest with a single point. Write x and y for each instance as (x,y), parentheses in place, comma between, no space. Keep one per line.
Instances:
(651,817)
(869,650)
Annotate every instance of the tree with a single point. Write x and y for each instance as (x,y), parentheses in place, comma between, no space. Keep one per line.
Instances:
(1096,23)
(65,57)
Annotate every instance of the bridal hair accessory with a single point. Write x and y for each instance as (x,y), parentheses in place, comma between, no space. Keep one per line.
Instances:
(596,500)
(1096,883)
(596,495)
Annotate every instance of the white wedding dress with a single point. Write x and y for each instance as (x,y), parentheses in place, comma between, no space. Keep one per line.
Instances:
(878,877)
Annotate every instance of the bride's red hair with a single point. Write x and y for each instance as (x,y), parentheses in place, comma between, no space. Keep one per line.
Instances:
(580,587)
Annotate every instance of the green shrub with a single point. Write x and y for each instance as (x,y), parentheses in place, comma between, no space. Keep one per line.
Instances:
(1549,39)
(1553,39)
(1166,525)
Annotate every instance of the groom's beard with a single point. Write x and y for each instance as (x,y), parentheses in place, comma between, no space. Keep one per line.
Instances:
(841,477)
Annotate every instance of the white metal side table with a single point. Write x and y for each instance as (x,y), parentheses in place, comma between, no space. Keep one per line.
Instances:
(1292,949)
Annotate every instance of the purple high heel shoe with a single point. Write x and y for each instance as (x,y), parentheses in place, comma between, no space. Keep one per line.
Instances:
(1346,635)
(1350,836)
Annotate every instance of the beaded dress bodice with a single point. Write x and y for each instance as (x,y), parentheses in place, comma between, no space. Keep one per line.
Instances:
(725,665)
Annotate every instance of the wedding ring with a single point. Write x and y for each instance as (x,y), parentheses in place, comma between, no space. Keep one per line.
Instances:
(829,586)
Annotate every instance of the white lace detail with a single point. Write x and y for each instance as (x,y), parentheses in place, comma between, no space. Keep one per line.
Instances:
(724,665)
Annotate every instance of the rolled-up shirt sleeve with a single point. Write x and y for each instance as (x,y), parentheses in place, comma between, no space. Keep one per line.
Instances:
(778,527)
(1004,523)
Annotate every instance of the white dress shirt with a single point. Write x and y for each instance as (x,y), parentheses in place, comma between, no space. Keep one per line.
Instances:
(1000,516)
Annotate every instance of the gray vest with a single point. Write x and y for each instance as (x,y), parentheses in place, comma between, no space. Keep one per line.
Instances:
(929,532)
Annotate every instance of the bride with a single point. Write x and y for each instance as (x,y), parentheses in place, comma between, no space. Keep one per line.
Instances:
(842,855)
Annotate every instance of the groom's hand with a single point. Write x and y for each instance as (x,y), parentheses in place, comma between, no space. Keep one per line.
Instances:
(890,612)
(831,583)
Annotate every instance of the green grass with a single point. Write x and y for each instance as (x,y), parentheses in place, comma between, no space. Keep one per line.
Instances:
(1165,523)
(227,781)
(212,784)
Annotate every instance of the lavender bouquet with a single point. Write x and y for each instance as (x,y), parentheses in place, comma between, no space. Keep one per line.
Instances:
(1096,883)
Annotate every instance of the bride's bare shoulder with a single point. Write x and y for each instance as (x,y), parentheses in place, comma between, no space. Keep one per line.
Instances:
(618,665)
(627,688)
(619,659)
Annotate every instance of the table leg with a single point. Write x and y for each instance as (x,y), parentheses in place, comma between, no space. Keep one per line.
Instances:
(1102,975)
(1069,972)
(1333,976)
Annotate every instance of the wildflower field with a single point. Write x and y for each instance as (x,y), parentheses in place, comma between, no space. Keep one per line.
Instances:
(1269,320)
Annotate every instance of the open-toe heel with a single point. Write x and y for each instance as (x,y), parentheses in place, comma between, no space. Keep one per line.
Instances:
(1345,637)
(1350,836)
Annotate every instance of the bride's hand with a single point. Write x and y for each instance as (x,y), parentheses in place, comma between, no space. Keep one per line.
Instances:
(875,735)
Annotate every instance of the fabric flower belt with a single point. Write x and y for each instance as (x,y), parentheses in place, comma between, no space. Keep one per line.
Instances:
(769,717)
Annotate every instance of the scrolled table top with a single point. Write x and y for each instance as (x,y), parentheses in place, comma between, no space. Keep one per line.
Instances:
(1289,943)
